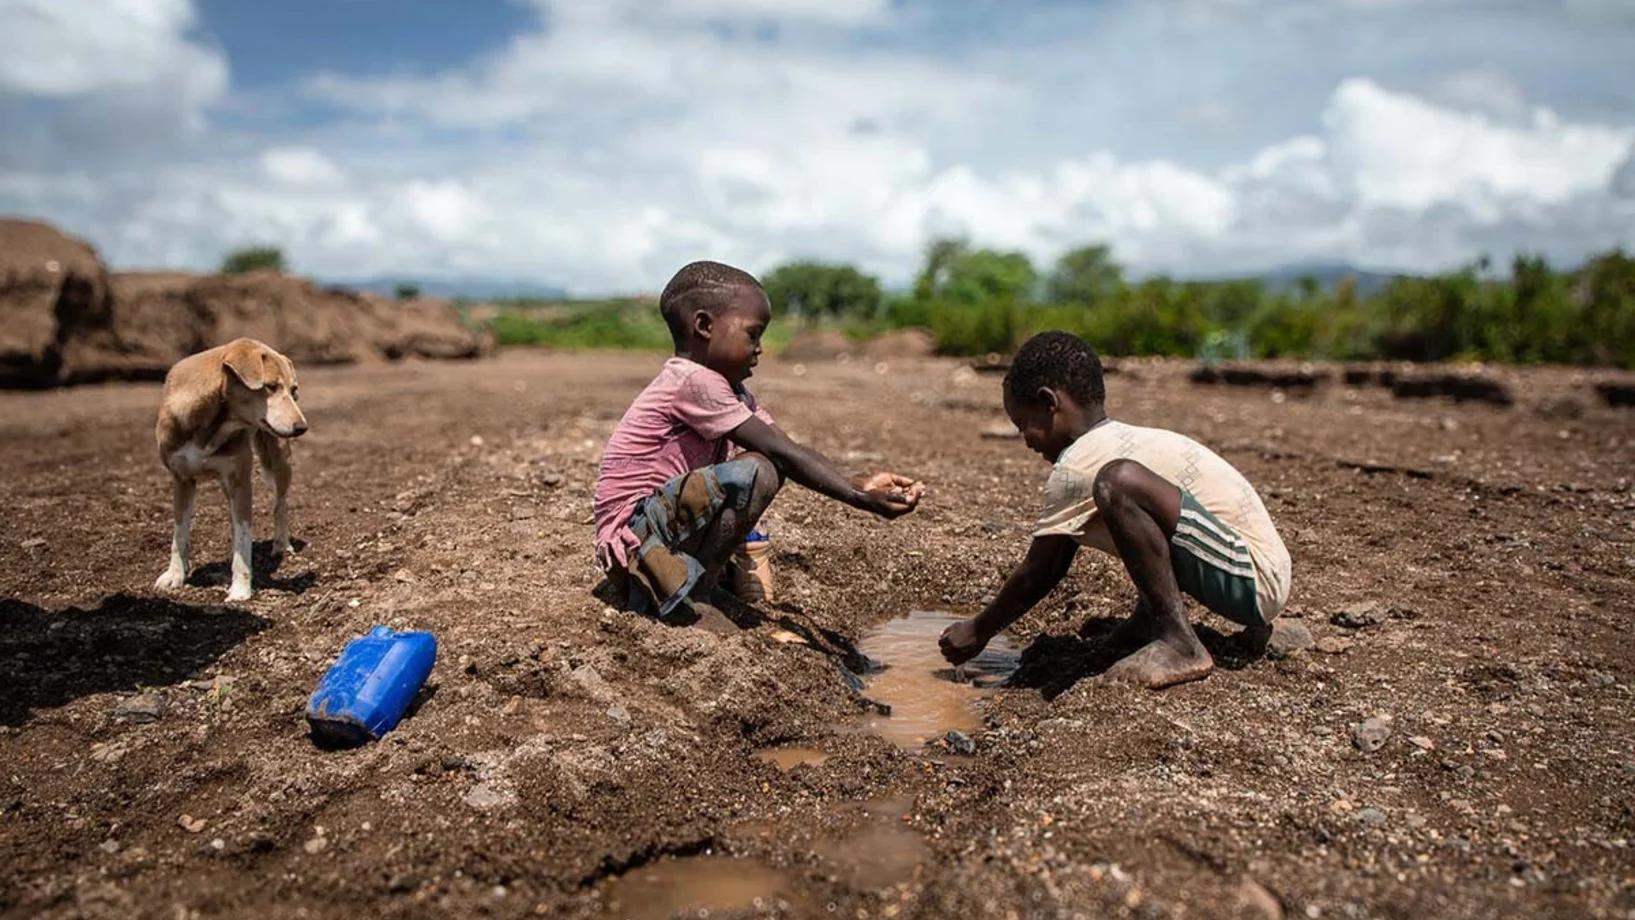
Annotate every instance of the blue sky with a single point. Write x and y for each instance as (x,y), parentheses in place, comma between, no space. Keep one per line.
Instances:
(600,144)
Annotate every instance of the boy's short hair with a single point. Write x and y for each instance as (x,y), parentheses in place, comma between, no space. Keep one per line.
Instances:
(704,285)
(1060,361)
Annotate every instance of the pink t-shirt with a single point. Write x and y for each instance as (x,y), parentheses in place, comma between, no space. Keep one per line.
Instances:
(678,424)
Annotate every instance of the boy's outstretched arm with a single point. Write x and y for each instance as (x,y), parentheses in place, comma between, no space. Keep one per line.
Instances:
(886,494)
(1046,563)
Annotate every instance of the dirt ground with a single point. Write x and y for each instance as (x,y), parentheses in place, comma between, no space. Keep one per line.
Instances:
(565,742)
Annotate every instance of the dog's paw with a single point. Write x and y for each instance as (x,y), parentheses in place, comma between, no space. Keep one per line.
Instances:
(172,580)
(239,592)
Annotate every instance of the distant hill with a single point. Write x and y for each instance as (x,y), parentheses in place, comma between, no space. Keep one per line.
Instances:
(451,288)
(1328,276)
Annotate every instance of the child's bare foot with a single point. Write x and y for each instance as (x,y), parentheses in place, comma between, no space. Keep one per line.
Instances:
(1164,663)
(1134,632)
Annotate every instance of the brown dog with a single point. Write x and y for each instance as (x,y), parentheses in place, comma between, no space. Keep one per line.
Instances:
(220,406)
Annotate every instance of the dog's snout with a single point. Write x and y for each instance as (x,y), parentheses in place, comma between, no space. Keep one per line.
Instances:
(299,429)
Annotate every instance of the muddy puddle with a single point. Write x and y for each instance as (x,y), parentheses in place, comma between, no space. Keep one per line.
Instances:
(928,697)
(696,886)
(789,757)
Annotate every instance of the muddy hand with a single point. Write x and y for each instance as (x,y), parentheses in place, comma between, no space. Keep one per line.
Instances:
(890,504)
(961,642)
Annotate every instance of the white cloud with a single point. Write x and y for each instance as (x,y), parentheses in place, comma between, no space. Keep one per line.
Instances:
(299,166)
(66,48)
(619,140)
(1397,151)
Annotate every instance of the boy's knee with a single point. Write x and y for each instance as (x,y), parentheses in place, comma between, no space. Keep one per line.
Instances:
(1117,480)
(767,477)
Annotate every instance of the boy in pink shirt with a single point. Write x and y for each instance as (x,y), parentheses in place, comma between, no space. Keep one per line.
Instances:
(695,462)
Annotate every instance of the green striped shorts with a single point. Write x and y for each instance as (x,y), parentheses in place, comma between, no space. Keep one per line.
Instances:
(1212,564)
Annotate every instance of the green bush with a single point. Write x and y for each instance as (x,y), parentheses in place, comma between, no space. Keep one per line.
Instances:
(978,301)
(253,258)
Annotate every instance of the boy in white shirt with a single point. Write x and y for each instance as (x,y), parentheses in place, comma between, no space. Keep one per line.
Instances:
(1179,517)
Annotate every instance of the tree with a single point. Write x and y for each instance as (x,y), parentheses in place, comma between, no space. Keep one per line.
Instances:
(958,274)
(817,289)
(406,291)
(253,258)
(1087,275)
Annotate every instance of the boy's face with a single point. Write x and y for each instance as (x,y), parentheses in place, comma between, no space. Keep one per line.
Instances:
(734,337)
(1041,422)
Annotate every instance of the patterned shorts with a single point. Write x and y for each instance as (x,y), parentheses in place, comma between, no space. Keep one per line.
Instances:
(1212,563)
(669,524)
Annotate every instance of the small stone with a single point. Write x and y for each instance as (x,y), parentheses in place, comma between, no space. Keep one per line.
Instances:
(959,743)
(1333,645)
(618,714)
(476,440)
(218,844)
(316,845)
(1422,742)
(591,681)
(1288,638)
(109,846)
(1599,680)
(485,796)
(1001,433)
(1371,816)
(33,543)
(145,707)
(1370,734)
(1360,616)
(1495,753)
(1257,901)
(191,824)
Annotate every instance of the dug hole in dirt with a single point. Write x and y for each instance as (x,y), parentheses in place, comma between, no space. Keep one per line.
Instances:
(1452,740)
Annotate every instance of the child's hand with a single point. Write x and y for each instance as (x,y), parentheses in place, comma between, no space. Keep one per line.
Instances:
(888,494)
(888,482)
(961,642)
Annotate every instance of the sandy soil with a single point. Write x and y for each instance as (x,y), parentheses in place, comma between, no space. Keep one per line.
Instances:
(566,742)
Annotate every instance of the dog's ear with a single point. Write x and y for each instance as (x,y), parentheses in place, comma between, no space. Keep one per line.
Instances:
(245,361)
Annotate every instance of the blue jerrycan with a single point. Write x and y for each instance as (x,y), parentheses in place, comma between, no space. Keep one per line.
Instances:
(369,688)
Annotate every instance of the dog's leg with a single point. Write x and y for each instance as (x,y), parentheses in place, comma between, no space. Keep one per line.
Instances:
(275,460)
(182,492)
(239,487)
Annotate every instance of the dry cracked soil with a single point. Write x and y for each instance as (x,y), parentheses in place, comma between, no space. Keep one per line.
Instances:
(1456,743)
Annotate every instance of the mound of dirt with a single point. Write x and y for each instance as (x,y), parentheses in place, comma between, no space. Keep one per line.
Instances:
(49,282)
(818,345)
(1276,377)
(422,329)
(904,343)
(64,319)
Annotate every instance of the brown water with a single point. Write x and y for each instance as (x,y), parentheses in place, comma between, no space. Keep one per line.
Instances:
(927,696)
(792,756)
(694,886)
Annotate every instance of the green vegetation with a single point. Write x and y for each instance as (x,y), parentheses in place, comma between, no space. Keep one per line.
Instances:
(253,258)
(406,291)
(978,301)
(814,290)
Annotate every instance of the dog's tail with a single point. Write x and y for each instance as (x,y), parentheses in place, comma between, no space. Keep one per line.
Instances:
(273,452)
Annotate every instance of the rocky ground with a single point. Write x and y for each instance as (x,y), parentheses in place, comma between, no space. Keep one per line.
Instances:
(1456,742)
